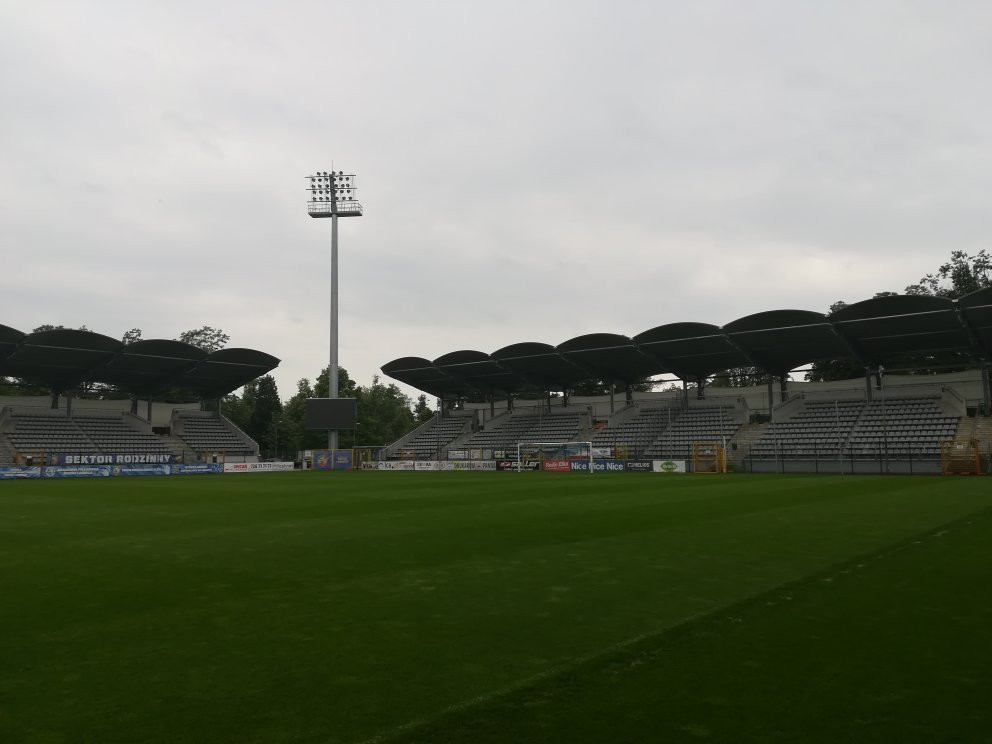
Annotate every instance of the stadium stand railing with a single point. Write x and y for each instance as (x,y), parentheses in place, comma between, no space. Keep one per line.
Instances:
(210,435)
(502,434)
(700,422)
(429,440)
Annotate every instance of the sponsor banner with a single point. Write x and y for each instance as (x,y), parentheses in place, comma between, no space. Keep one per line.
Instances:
(668,466)
(640,466)
(201,468)
(557,466)
(18,471)
(425,465)
(257,467)
(578,466)
(608,466)
(331,459)
(458,454)
(602,452)
(81,471)
(342,459)
(396,465)
(505,465)
(140,469)
(484,465)
(113,459)
(475,454)
(461,465)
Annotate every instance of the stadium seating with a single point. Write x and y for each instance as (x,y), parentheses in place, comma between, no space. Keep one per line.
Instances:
(204,431)
(635,434)
(859,429)
(706,423)
(506,432)
(38,433)
(431,437)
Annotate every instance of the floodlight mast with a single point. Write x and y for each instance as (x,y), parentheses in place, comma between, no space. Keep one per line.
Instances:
(333,195)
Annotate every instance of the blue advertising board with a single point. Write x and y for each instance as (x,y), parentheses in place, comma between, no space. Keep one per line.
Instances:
(342,459)
(82,471)
(140,470)
(19,471)
(196,469)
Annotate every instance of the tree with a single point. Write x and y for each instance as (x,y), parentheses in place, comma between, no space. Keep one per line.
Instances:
(961,275)
(421,411)
(131,336)
(739,377)
(207,338)
(262,399)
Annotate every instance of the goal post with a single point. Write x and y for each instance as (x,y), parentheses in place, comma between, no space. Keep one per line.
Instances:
(541,452)
(708,457)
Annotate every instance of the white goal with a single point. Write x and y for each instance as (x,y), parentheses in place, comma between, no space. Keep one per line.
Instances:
(534,455)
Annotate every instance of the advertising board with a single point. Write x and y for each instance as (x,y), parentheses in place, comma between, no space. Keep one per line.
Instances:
(257,467)
(18,471)
(396,465)
(639,466)
(140,469)
(557,466)
(426,465)
(484,465)
(202,468)
(668,466)
(81,471)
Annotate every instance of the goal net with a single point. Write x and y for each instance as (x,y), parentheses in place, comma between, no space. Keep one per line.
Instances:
(553,455)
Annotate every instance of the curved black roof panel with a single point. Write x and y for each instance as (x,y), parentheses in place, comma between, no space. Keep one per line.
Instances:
(224,370)
(63,358)
(423,375)
(480,371)
(540,364)
(144,367)
(884,327)
(9,339)
(977,311)
(610,357)
(874,331)
(781,340)
(691,350)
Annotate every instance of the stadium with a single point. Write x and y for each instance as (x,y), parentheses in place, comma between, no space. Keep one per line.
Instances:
(666,598)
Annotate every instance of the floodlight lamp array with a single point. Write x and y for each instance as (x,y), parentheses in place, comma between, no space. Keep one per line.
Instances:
(332,187)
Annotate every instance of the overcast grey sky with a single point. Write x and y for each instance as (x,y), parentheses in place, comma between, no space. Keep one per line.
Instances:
(529,170)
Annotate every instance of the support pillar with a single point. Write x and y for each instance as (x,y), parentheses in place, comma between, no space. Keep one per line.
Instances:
(148,408)
(492,405)
(771,400)
(701,389)
(55,400)
(868,391)
(68,405)
(986,390)
(548,401)
(613,389)
(564,398)
(783,388)
(629,394)
(685,395)
(134,405)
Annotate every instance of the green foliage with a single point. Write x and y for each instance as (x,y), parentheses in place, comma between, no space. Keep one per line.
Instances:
(961,275)
(384,414)
(207,338)
(422,412)
(739,377)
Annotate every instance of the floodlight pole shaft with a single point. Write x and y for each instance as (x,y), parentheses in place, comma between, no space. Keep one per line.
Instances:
(332,368)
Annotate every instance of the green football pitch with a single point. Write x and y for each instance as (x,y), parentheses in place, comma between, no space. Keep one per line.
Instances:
(496,607)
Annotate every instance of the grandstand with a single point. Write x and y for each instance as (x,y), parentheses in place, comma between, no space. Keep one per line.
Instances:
(40,428)
(898,421)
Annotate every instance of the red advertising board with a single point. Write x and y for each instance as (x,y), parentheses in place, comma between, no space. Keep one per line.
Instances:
(558,466)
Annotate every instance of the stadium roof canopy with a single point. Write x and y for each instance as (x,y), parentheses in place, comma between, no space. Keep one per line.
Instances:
(64,358)
(873,332)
